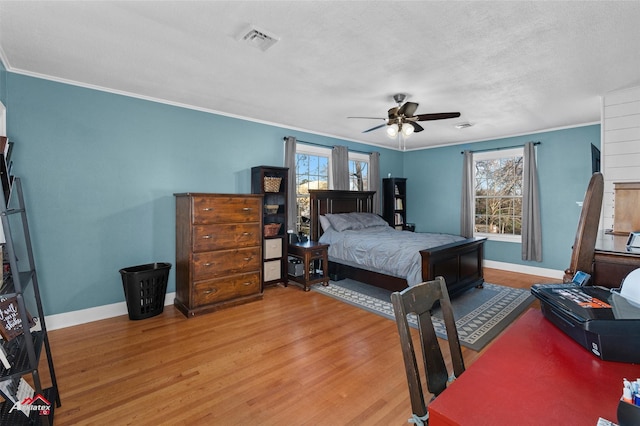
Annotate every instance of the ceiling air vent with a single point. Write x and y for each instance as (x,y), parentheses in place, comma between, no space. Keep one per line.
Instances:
(463,125)
(258,38)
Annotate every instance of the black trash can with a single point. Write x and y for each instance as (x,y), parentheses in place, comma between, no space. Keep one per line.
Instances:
(145,287)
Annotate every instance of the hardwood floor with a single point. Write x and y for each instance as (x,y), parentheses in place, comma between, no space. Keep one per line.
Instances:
(296,358)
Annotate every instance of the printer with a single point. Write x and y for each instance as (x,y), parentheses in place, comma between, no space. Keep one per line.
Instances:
(604,321)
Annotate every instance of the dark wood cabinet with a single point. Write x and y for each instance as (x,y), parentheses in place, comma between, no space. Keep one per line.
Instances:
(394,193)
(218,251)
(272,183)
(613,261)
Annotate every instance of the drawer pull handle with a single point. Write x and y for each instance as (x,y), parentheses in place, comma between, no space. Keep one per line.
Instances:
(206,236)
(213,290)
(247,209)
(207,264)
(246,233)
(248,258)
(246,284)
(208,209)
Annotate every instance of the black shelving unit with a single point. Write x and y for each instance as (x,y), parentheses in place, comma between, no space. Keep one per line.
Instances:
(24,351)
(274,251)
(394,192)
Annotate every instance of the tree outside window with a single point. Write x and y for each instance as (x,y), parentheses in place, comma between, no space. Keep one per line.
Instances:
(498,193)
(312,172)
(358,172)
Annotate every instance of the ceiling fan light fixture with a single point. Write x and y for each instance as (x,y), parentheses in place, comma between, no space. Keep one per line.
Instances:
(392,130)
(407,129)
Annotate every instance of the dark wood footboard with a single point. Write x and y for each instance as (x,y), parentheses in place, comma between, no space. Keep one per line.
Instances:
(459,263)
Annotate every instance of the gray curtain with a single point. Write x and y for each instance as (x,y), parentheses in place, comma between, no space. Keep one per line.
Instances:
(290,162)
(374,180)
(531,232)
(340,166)
(466,209)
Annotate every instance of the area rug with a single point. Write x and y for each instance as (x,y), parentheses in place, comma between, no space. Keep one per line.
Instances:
(481,313)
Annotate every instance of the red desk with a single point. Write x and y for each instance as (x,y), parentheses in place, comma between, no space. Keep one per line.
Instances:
(534,374)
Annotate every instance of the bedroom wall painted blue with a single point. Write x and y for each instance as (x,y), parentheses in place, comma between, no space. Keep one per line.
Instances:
(564,169)
(99,172)
(3,85)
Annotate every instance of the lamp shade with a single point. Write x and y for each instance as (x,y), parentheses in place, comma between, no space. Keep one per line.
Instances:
(392,130)
(407,129)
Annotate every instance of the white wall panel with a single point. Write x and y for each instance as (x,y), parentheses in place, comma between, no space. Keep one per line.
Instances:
(620,148)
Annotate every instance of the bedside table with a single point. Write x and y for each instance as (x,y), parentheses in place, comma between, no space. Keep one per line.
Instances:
(314,258)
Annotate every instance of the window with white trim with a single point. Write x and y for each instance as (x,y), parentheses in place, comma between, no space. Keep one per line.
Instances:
(498,184)
(313,171)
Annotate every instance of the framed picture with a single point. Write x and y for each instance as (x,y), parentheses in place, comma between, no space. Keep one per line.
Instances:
(10,320)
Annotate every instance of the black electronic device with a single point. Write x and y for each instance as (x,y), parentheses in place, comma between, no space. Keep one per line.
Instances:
(633,242)
(600,319)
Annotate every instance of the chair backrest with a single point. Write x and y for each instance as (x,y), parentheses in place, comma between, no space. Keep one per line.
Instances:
(420,299)
(585,243)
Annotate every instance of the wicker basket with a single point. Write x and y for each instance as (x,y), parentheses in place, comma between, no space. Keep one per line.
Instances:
(271,208)
(272,184)
(272,229)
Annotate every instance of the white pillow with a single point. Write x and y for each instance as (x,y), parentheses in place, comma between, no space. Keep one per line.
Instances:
(324,223)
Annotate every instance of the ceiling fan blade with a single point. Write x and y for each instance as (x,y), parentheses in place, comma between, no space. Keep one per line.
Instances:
(437,116)
(416,127)
(371,118)
(408,109)
(374,128)
(393,113)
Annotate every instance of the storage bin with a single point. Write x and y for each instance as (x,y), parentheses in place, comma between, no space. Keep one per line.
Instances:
(272,229)
(272,184)
(145,287)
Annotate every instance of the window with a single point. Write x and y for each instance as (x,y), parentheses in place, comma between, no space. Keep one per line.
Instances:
(313,171)
(358,172)
(498,194)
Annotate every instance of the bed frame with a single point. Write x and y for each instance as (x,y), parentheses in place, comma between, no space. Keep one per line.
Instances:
(459,263)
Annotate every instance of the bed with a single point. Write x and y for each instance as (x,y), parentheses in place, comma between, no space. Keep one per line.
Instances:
(457,259)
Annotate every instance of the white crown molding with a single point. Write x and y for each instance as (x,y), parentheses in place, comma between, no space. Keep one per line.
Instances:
(268,123)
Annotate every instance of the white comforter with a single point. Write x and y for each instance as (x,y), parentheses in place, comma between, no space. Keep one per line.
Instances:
(384,249)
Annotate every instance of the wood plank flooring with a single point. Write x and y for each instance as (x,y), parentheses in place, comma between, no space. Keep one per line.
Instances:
(295,358)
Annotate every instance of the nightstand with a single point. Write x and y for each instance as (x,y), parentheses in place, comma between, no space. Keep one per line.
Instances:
(308,263)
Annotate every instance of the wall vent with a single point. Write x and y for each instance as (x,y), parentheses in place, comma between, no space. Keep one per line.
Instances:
(258,38)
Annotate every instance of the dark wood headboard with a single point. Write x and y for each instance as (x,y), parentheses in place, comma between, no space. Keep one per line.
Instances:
(327,201)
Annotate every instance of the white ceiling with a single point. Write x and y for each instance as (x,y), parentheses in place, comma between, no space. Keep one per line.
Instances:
(508,67)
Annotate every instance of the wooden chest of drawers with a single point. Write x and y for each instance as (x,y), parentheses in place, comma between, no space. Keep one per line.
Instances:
(218,251)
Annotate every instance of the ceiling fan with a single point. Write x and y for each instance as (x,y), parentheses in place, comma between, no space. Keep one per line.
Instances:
(401,119)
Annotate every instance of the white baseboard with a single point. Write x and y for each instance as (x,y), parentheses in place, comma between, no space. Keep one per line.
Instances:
(69,319)
(524,269)
(83,316)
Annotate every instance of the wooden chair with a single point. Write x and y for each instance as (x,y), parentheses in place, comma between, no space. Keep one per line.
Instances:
(585,243)
(419,300)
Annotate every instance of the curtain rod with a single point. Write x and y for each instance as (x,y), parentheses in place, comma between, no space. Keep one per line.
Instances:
(325,146)
(502,147)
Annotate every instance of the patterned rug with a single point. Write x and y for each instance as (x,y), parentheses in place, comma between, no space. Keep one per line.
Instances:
(481,313)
